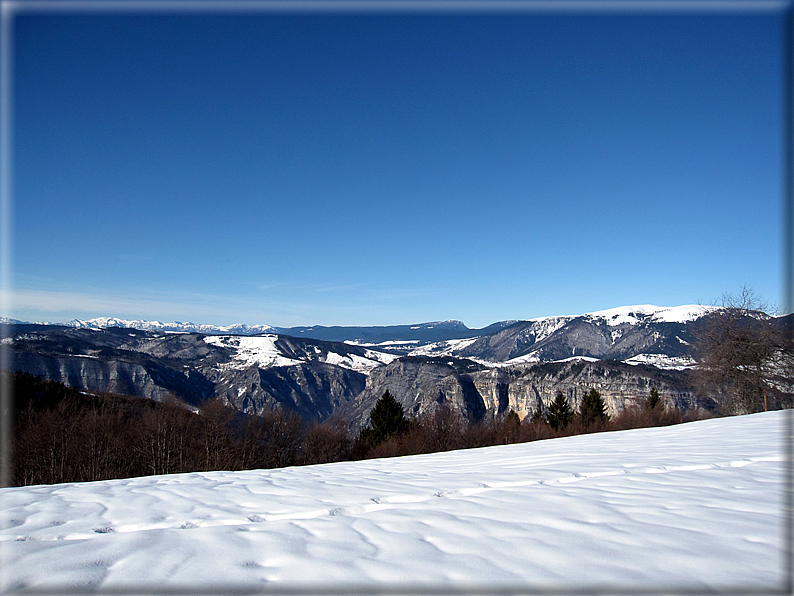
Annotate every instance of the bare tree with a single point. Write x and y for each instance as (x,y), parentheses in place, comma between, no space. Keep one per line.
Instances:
(744,356)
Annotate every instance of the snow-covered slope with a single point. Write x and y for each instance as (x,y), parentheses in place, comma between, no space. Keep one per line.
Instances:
(650,313)
(264,351)
(694,507)
(644,333)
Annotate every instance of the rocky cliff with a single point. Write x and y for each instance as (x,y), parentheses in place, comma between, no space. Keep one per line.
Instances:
(422,385)
(515,366)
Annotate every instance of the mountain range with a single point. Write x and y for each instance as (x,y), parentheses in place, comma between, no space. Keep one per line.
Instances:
(320,372)
(423,332)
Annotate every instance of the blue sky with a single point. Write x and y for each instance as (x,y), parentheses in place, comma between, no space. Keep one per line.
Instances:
(374,168)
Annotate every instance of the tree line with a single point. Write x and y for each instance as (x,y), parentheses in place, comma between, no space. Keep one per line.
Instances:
(745,360)
(389,433)
(64,435)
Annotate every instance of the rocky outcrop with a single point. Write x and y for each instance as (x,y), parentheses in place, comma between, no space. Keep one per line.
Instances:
(318,379)
(145,379)
(422,385)
(156,365)
(313,390)
(621,385)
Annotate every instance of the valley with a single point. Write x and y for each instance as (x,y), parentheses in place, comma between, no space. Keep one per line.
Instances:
(324,372)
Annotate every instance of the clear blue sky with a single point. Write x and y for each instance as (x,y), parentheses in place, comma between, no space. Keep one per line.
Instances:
(339,168)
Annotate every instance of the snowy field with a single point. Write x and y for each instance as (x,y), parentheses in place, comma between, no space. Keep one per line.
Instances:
(698,506)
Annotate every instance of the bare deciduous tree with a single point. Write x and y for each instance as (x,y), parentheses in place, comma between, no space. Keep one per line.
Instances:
(744,356)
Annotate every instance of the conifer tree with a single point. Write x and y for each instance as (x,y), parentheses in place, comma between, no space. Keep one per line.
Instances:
(386,419)
(560,412)
(593,408)
(653,399)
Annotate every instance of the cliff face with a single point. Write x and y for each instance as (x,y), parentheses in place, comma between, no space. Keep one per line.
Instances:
(315,390)
(621,385)
(147,379)
(423,385)
(319,379)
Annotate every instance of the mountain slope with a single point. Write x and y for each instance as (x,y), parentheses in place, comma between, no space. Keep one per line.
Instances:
(615,334)
(481,376)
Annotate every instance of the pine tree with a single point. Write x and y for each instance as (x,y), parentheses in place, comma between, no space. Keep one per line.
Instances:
(593,408)
(386,419)
(560,412)
(653,399)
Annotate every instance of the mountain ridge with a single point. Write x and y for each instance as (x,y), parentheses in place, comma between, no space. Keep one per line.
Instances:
(518,365)
(424,332)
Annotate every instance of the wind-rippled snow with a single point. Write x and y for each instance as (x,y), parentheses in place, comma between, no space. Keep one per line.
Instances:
(690,507)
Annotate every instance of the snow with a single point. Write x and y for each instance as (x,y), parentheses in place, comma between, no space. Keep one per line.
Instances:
(656,314)
(543,327)
(631,315)
(578,358)
(398,342)
(176,326)
(258,351)
(694,507)
(662,361)
(530,358)
(447,347)
(381,357)
(356,362)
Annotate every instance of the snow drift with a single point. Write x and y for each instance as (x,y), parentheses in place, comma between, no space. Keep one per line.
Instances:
(698,506)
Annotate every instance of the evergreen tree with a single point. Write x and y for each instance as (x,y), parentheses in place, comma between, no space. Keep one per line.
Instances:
(560,412)
(593,408)
(653,399)
(386,419)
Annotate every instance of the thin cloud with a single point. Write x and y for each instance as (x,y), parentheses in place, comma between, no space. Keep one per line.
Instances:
(54,302)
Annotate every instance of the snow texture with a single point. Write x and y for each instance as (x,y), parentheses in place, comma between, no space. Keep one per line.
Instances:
(698,506)
(655,314)
(258,351)
(662,361)
(262,352)
(359,363)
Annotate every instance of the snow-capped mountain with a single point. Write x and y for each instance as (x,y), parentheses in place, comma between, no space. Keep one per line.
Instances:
(637,334)
(432,338)
(516,365)
(176,326)
(267,351)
